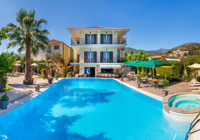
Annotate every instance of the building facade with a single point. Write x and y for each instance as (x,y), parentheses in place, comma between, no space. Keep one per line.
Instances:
(98,49)
(54,47)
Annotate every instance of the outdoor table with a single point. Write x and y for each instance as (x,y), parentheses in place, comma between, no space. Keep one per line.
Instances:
(155,82)
(144,80)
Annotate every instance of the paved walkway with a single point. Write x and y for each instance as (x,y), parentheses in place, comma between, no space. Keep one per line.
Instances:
(174,87)
(21,93)
(21,90)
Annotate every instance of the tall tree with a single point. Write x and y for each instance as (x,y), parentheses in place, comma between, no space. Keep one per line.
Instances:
(29,36)
(7,63)
(142,56)
(3,32)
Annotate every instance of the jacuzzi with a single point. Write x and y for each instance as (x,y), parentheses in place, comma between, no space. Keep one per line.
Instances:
(182,107)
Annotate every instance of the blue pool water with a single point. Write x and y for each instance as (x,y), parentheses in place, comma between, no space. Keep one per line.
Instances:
(89,109)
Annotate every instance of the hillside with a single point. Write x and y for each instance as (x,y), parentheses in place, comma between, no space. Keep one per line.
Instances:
(151,52)
(188,47)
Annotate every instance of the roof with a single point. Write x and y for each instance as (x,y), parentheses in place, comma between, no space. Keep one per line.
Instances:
(54,41)
(98,27)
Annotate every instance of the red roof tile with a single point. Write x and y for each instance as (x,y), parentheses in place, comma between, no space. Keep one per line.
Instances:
(97,27)
(54,41)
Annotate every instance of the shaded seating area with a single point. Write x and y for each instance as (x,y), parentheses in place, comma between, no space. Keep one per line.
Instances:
(195,85)
(148,79)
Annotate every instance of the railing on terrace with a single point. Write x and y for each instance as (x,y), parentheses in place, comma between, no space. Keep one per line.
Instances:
(82,41)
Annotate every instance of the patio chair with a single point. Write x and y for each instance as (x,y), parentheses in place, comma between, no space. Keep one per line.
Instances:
(106,75)
(110,75)
(113,75)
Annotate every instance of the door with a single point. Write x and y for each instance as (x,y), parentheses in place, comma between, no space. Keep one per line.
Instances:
(92,72)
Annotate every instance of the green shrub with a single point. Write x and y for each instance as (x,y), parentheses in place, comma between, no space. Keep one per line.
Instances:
(57,75)
(121,72)
(138,76)
(165,82)
(37,86)
(177,69)
(50,79)
(64,74)
(165,72)
(4,97)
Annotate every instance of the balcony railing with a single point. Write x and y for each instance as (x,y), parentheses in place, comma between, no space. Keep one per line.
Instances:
(90,61)
(82,41)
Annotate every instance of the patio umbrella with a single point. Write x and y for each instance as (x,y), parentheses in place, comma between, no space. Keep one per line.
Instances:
(195,66)
(52,65)
(153,63)
(34,65)
(133,63)
(17,65)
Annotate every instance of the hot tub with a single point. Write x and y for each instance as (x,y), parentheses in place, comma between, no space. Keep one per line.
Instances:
(182,106)
(185,101)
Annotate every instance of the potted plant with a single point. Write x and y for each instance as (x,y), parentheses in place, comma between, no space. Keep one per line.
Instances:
(43,76)
(165,83)
(57,75)
(37,88)
(4,101)
(121,73)
(32,79)
(50,79)
(138,76)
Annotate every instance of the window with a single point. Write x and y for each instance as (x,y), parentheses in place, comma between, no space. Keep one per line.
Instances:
(49,49)
(90,38)
(106,39)
(56,47)
(106,57)
(90,57)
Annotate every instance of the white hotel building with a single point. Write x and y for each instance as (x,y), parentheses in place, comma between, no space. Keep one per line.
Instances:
(98,50)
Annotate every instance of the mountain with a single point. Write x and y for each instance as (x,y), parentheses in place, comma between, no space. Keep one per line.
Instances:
(150,52)
(188,47)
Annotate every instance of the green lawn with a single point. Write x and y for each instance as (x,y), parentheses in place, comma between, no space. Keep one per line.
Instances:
(7,88)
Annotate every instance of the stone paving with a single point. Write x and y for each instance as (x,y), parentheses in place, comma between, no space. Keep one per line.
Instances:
(21,90)
(21,93)
(174,87)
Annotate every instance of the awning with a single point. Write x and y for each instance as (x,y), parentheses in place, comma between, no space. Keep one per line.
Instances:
(110,66)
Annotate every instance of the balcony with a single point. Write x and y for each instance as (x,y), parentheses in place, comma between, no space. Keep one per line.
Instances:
(98,42)
(90,61)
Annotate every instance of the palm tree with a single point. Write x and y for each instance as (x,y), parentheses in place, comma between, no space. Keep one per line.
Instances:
(29,36)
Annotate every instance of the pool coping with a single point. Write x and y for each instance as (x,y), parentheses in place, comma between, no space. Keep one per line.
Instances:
(176,109)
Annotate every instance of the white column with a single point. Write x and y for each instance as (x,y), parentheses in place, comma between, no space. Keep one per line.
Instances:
(84,38)
(98,37)
(112,37)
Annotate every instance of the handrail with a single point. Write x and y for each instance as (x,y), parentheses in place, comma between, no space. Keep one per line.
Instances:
(192,126)
(194,120)
(189,132)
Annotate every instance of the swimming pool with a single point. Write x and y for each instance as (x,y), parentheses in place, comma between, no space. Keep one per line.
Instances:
(94,109)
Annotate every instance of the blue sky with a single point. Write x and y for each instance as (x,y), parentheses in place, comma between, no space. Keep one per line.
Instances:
(154,23)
